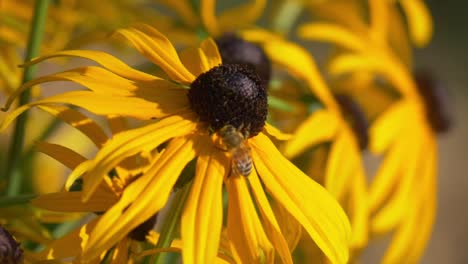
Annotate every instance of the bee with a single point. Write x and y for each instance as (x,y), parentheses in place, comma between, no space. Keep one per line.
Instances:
(234,140)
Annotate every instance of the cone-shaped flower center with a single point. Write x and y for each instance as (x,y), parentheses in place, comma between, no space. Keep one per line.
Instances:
(235,50)
(231,94)
(10,251)
(435,101)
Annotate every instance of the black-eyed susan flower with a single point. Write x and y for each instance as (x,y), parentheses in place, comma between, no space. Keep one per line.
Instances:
(200,97)
(402,196)
(344,173)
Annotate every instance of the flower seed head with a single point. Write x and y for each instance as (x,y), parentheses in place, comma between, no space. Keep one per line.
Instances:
(435,100)
(231,94)
(10,250)
(235,50)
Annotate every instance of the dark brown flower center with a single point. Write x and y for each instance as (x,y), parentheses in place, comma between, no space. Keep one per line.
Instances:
(354,113)
(10,250)
(235,50)
(435,101)
(231,94)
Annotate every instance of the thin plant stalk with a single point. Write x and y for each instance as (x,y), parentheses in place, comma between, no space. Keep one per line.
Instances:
(15,160)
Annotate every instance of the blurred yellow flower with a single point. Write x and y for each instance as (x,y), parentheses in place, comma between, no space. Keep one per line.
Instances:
(219,95)
(402,196)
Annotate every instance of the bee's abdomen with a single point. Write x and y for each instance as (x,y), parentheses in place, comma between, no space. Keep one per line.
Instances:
(242,163)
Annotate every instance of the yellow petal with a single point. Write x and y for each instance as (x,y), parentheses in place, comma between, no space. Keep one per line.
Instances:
(272,228)
(359,210)
(211,51)
(412,236)
(106,60)
(343,162)
(71,245)
(120,254)
(245,230)
(379,21)
(394,209)
(64,155)
(195,60)
(79,121)
(332,33)
(249,12)
(290,227)
(388,126)
(141,199)
(419,21)
(317,211)
(129,143)
(352,62)
(301,64)
(202,218)
(276,133)
(208,16)
(156,92)
(117,124)
(184,10)
(158,49)
(71,201)
(319,127)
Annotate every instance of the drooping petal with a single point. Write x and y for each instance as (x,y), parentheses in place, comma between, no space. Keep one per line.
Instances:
(411,237)
(270,223)
(394,209)
(321,126)
(344,160)
(100,201)
(64,155)
(245,231)
(386,128)
(211,51)
(106,60)
(129,143)
(71,245)
(100,104)
(332,33)
(300,63)
(202,219)
(250,12)
(142,198)
(79,121)
(359,210)
(419,21)
(208,16)
(276,133)
(158,49)
(319,213)
(290,227)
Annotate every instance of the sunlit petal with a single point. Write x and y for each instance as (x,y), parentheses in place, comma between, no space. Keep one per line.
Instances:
(272,228)
(419,21)
(321,126)
(244,227)
(142,198)
(158,49)
(304,199)
(332,33)
(202,218)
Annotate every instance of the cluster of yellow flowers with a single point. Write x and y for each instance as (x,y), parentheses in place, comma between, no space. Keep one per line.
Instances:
(231,145)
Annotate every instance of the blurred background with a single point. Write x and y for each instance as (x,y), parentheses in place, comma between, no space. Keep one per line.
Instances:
(447,58)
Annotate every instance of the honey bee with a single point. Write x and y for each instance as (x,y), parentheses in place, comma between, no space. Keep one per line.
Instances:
(234,140)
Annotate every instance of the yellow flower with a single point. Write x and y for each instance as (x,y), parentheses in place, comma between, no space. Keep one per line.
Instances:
(402,196)
(344,176)
(184,122)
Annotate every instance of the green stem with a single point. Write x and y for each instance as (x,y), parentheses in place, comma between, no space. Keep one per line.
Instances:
(32,50)
(16,200)
(171,220)
(287,15)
